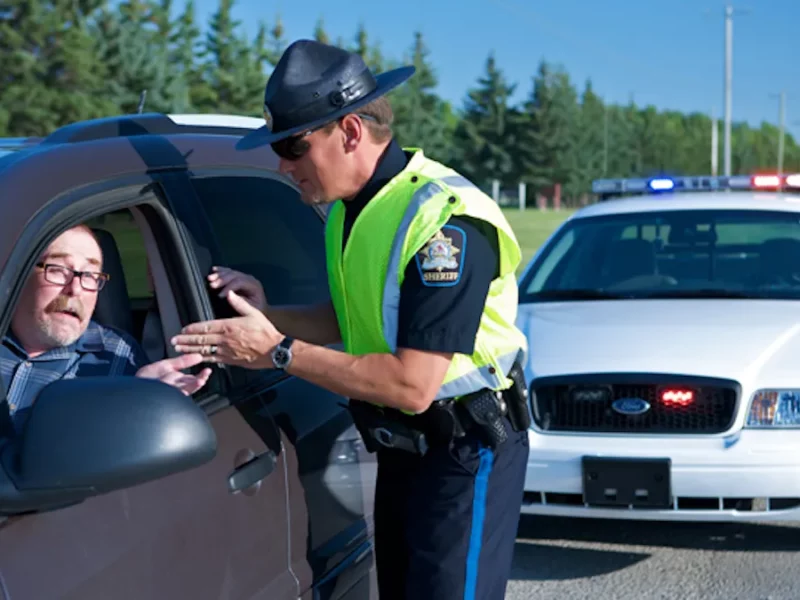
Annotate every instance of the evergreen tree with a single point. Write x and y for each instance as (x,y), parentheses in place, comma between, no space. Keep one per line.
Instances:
(590,149)
(68,61)
(419,113)
(136,62)
(550,132)
(319,32)
(485,146)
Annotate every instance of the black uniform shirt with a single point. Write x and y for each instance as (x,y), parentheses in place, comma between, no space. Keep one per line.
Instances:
(440,310)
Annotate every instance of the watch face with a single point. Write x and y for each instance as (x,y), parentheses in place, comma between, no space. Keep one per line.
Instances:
(281,356)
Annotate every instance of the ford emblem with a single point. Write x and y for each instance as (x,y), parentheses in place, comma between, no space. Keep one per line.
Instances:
(631,406)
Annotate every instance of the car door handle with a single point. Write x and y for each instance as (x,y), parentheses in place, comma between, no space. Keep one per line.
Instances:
(250,474)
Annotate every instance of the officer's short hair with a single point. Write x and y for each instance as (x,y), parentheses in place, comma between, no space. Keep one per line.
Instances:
(379,109)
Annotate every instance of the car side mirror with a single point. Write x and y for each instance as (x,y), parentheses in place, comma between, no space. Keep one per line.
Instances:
(90,436)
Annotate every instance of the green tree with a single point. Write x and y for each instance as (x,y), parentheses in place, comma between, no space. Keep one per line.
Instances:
(484,140)
(590,149)
(135,62)
(319,32)
(420,116)
(547,153)
(68,61)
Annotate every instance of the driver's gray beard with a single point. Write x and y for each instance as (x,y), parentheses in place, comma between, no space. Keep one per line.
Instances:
(55,336)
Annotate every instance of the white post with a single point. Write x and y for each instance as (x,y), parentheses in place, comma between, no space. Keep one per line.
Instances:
(496,190)
(714,143)
(522,195)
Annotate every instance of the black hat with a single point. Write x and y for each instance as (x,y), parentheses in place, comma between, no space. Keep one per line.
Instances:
(314,84)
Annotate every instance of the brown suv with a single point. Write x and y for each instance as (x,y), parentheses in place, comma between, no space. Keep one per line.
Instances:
(122,487)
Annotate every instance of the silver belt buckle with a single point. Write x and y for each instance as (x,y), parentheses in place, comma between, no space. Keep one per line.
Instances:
(384,437)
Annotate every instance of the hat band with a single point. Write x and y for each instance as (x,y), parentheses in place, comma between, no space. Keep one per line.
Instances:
(326,103)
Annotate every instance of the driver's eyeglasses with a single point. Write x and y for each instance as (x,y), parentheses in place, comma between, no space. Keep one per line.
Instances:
(60,275)
(295,147)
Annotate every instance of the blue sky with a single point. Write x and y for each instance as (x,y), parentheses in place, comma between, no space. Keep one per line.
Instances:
(669,54)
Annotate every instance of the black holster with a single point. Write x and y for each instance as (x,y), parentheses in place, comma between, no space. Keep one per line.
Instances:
(382,429)
(517,398)
(485,409)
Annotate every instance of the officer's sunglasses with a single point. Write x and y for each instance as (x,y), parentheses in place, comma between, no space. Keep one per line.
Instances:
(295,147)
(61,275)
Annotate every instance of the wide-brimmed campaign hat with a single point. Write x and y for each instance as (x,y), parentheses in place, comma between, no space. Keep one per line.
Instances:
(314,84)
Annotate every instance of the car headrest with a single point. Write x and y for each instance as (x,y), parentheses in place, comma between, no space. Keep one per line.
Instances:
(113,304)
(680,233)
(630,258)
(780,255)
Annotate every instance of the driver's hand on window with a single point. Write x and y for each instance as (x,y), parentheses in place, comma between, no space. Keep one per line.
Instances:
(246,286)
(169,371)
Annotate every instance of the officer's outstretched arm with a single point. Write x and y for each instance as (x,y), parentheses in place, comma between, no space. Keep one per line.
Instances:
(315,323)
(407,380)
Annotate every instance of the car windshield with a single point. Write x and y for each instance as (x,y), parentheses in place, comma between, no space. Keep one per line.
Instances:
(670,254)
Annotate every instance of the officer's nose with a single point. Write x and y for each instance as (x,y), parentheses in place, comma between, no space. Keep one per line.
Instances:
(285,166)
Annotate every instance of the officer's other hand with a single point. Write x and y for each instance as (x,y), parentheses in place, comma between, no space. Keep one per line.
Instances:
(246,286)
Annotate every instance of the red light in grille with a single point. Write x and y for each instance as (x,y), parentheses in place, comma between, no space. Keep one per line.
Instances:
(677,397)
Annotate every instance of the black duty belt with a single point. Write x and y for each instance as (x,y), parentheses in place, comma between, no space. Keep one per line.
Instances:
(446,420)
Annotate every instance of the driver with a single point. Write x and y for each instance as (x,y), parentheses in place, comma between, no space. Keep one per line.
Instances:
(53,337)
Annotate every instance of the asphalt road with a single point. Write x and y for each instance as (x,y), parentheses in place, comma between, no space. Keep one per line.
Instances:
(564,559)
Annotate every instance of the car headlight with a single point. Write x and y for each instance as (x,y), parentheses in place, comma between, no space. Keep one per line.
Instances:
(774,408)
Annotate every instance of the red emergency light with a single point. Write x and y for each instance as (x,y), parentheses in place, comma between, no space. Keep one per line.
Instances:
(767,181)
(677,396)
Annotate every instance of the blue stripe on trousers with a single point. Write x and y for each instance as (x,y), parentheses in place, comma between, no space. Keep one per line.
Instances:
(478,516)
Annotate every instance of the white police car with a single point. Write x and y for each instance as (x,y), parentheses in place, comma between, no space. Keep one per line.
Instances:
(664,361)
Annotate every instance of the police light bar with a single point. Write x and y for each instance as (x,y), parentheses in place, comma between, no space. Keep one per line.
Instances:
(656,185)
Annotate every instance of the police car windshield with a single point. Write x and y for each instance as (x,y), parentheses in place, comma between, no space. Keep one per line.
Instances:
(670,254)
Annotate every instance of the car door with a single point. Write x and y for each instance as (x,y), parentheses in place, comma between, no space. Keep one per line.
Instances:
(216,531)
(262,228)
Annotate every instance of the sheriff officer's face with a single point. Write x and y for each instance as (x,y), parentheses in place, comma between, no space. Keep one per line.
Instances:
(321,162)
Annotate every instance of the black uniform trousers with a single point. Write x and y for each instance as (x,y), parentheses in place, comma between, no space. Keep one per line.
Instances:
(446,523)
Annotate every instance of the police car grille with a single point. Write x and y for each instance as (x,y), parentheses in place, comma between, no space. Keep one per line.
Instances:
(562,407)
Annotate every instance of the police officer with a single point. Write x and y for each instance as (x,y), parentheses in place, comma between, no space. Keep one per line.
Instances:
(421,267)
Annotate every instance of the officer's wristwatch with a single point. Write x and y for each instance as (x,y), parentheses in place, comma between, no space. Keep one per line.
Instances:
(282,354)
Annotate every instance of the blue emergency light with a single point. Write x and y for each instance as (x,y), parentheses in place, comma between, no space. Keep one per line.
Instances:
(606,188)
(661,184)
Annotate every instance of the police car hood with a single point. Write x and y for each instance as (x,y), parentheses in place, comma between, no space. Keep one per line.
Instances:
(747,340)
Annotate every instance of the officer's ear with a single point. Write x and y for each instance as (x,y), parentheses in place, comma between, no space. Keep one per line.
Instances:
(353,130)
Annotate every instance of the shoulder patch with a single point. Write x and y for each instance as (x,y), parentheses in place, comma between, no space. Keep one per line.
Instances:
(441,259)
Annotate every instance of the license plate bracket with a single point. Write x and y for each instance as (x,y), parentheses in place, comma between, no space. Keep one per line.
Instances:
(610,482)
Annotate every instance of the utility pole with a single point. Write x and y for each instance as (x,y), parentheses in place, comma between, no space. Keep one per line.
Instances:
(728,85)
(729,82)
(714,143)
(605,139)
(782,126)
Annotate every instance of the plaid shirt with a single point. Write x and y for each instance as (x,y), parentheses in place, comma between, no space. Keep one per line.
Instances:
(99,352)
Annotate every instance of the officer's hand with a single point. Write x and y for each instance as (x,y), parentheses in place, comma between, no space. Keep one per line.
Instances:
(244,341)
(246,286)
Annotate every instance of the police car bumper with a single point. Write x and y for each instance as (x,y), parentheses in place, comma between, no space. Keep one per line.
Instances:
(751,475)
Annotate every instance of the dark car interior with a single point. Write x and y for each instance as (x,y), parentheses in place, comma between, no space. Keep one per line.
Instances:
(138,315)
(748,255)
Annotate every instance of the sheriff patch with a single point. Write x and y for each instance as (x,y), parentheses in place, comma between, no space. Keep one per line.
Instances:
(440,261)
